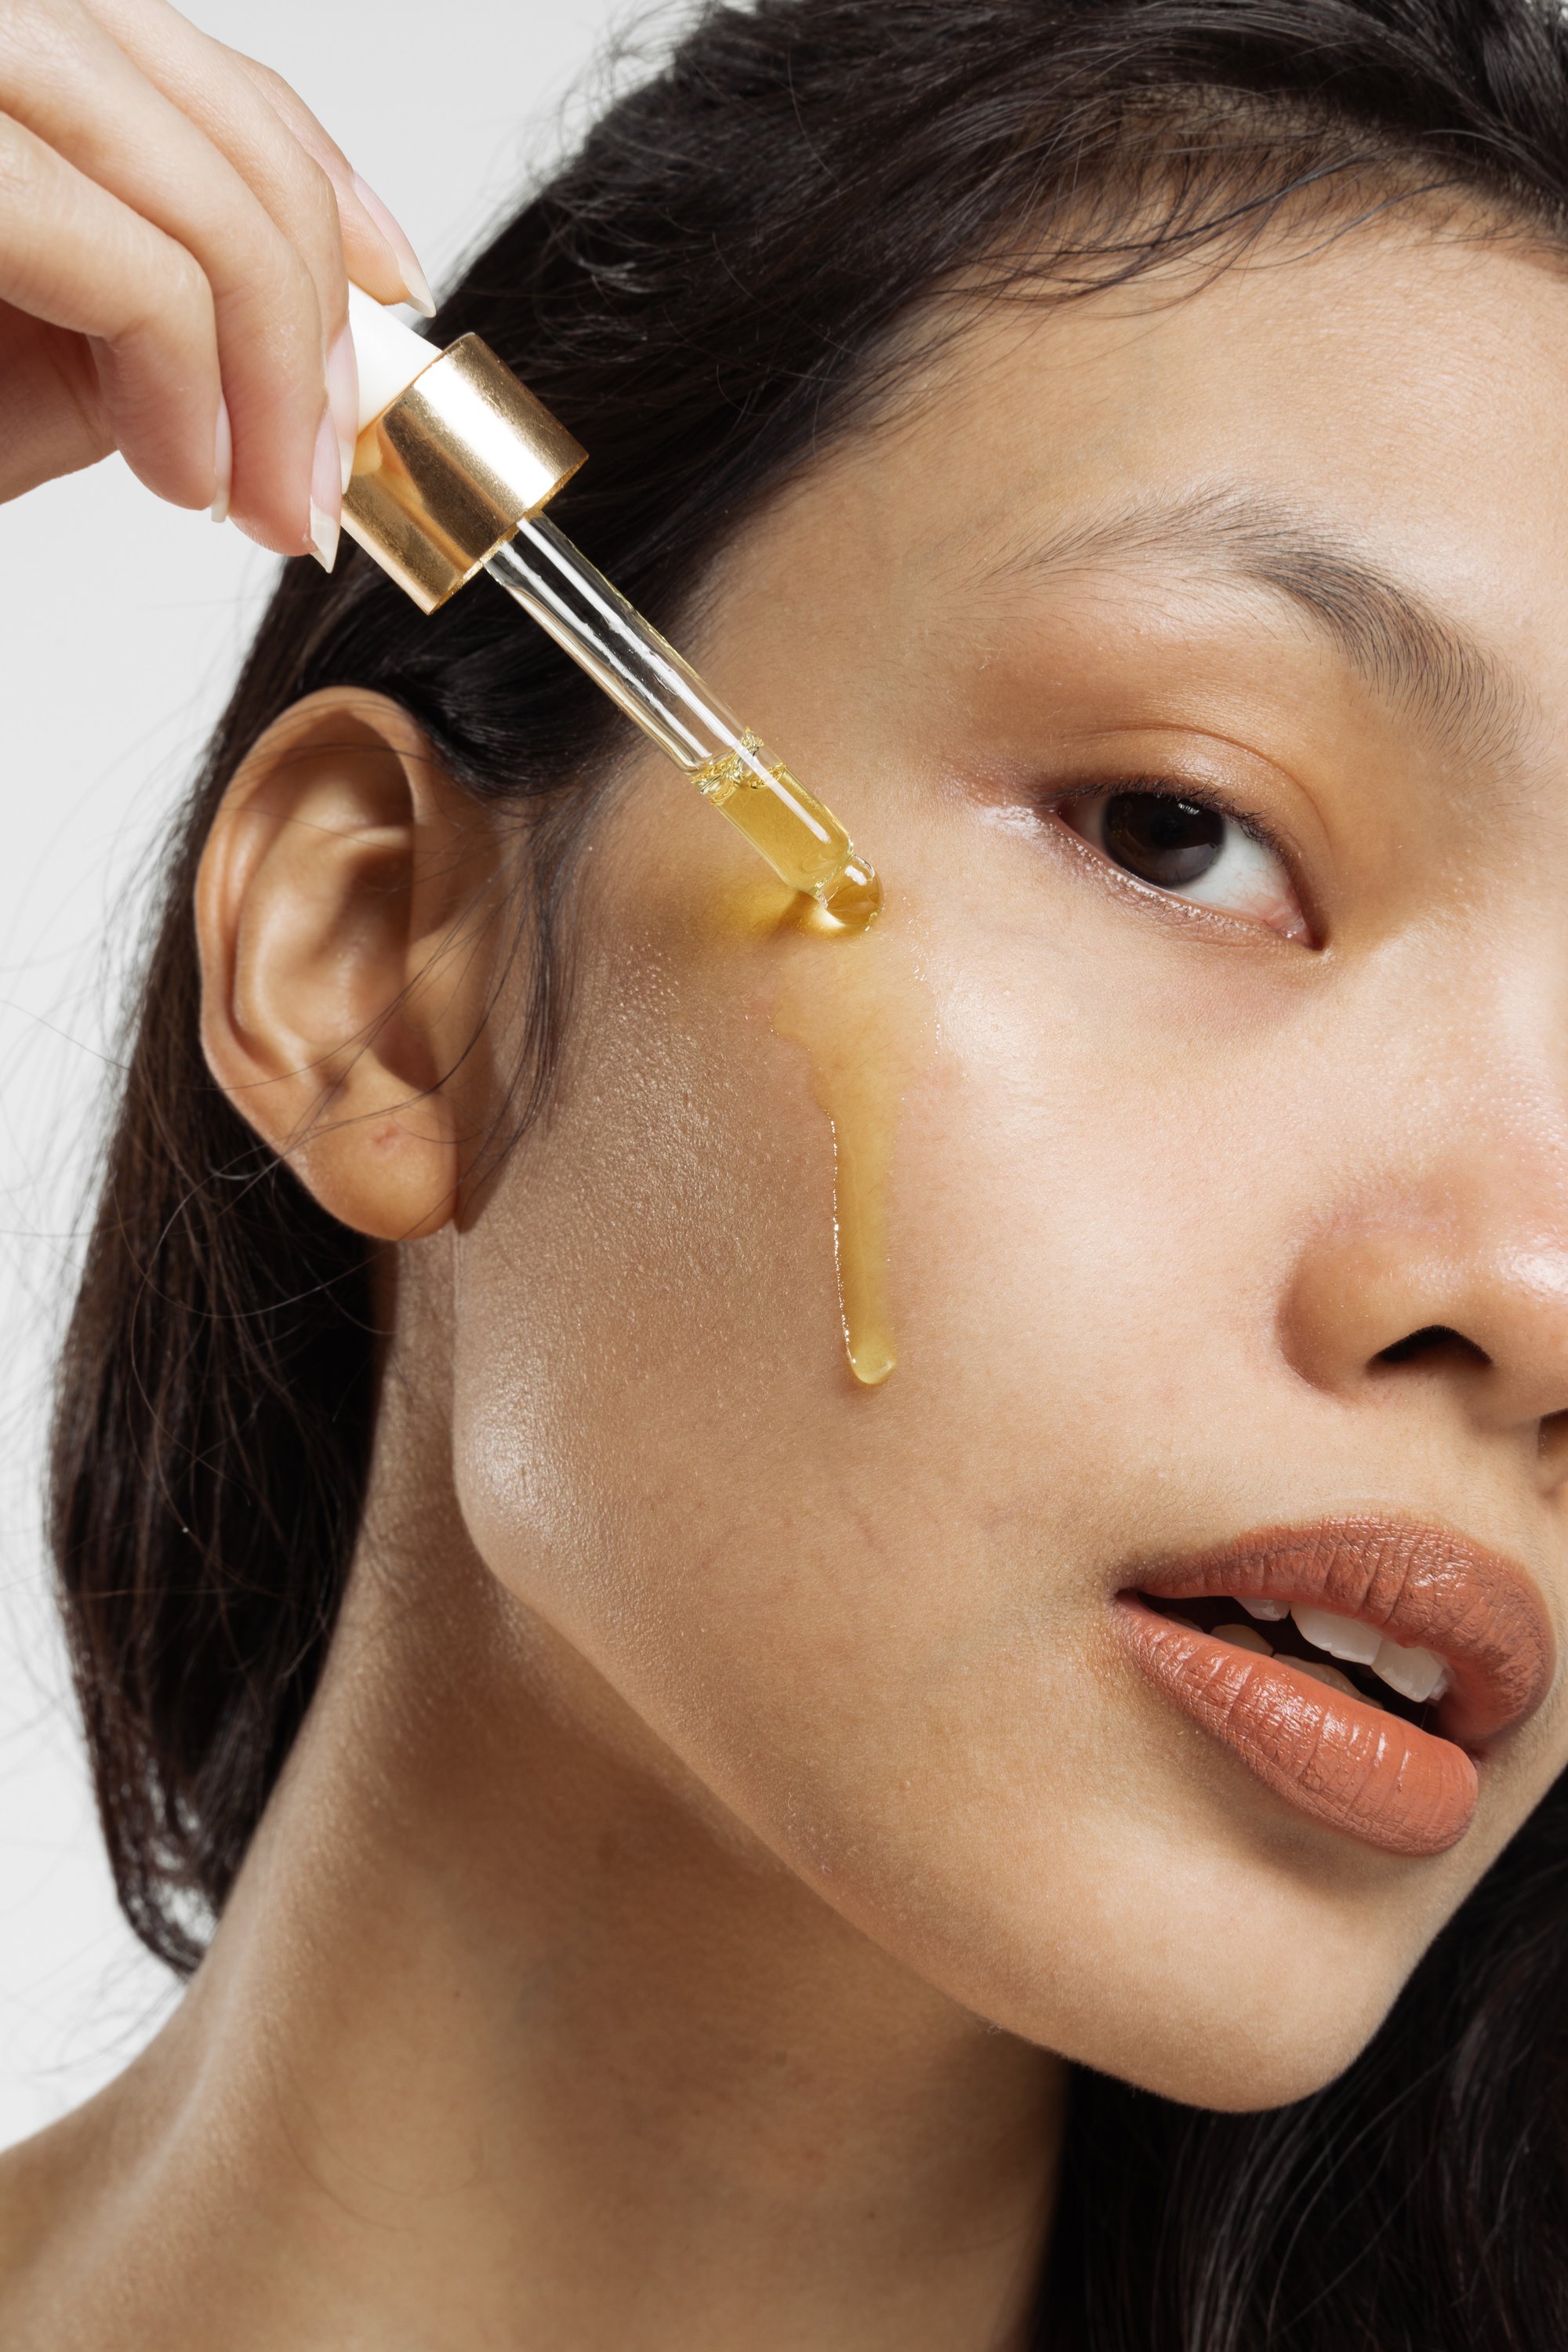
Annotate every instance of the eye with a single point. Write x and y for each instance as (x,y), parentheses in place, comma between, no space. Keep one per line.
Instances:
(1191,849)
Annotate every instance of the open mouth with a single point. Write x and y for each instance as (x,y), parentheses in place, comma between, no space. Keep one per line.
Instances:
(1339,1653)
(1359,1668)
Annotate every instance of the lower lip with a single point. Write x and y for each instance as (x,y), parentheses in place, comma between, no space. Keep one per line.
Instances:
(1339,1761)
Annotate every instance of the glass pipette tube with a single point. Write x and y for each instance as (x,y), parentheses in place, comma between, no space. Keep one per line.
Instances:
(801,841)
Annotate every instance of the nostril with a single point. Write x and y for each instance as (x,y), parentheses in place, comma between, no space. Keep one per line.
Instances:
(1434,1340)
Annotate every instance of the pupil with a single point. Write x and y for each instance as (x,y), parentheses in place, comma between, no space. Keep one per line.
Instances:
(1164,841)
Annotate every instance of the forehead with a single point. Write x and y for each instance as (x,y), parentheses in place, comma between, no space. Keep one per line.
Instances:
(1399,390)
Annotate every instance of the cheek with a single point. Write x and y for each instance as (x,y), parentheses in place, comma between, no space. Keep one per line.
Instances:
(1091,1221)
(872,1621)
(633,1297)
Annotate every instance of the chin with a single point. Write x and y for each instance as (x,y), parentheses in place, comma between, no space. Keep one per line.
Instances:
(1264,2024)
(1204,2046)
(1218,1985)
(1241,2067)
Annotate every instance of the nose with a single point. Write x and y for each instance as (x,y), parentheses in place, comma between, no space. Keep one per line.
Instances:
(1457,1287)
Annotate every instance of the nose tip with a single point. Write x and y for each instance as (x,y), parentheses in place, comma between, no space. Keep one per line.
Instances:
(1403,1299)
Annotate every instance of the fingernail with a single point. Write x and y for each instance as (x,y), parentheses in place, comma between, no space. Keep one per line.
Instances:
(416,284)
(222,462)
(324,534)
(343,397)
(326,494)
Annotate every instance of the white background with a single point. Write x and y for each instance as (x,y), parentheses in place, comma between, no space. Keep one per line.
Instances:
(122,623)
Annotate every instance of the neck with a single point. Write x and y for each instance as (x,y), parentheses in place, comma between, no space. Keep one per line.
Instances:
(509,2036)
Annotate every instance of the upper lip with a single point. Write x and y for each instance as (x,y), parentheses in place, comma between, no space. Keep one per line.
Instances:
(1423,1586)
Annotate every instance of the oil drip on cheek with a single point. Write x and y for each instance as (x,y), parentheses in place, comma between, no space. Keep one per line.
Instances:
(859,1013)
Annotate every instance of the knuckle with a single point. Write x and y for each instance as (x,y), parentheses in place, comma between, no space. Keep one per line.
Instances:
(316,182)
(281,333)
(278,285)
(188,293)
(21,164)
(32,36)
(295,115)
(273,83)
(174,322)
(321,198)
(296,285)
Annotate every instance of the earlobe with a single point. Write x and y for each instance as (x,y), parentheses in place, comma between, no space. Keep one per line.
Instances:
(341,985)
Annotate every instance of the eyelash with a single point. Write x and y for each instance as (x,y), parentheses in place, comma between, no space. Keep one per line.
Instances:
(1276,903)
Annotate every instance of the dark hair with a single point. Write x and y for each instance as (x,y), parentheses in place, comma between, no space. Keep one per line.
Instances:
(706,294)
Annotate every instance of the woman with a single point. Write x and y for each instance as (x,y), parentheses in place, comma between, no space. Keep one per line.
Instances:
(1065,1847)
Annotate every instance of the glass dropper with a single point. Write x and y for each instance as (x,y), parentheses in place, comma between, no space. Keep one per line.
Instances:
(801,841)
(455,464)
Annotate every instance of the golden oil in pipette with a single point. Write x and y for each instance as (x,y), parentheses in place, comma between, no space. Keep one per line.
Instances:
(642,673)
(801,841)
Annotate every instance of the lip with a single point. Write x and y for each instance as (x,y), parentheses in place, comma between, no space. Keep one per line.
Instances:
(1338,1760)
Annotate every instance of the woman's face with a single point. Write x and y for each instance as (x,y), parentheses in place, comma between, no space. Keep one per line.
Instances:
(1195,672)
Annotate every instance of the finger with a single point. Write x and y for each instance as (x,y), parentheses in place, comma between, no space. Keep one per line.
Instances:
(359,204)
(52,417)
(206,83)
(75,89)
(242,105)
(75,258)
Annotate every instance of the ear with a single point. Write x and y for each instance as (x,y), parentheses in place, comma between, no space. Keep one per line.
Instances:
(340,918)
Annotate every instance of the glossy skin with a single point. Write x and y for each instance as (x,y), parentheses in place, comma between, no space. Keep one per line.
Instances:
(670,1651)
(1165,1185)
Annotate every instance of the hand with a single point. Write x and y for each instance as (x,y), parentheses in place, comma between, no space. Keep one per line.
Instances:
(176,236)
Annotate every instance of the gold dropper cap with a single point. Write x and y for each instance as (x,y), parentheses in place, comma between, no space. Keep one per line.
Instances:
(446,473)
(455,461)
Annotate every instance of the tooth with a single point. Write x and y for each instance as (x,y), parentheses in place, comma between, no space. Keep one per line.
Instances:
(1340,1636)
(1269,1613)
(1245,1637)
(1330,1674)
(1415,1673)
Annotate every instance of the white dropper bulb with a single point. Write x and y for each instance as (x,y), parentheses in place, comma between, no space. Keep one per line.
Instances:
(389,354)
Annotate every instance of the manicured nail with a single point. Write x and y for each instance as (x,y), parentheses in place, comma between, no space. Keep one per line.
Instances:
(325,533)
(326,494)
(343,397)
(222,462)
(416,284)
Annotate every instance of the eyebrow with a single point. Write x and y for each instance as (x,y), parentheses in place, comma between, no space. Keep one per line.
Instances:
(1411,654)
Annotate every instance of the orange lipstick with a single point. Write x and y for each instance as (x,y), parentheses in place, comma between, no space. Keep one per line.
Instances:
(1404,1785)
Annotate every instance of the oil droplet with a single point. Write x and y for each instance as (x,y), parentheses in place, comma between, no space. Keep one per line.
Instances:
(859,1016)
